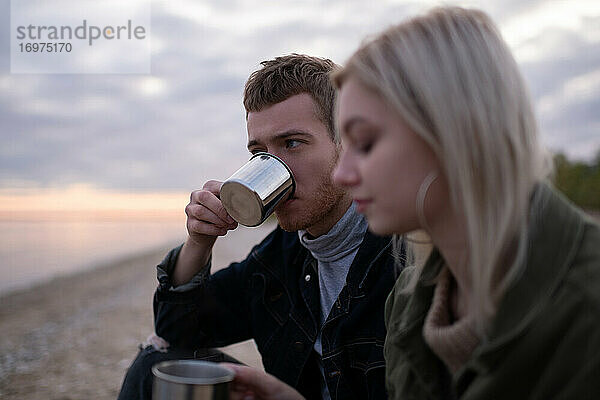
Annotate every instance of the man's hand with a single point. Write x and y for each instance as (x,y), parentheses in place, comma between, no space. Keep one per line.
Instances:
(253,384)
(206,215)
(157,342)
(206,220)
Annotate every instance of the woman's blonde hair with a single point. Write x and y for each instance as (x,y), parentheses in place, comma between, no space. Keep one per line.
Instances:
(453,80)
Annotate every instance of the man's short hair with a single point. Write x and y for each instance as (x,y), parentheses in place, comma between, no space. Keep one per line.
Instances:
(287,76)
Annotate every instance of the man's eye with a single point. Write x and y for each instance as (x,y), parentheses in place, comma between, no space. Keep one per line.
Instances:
(291,143)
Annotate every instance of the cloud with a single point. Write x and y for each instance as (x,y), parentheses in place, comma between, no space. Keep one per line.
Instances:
(565,86)
(185,123)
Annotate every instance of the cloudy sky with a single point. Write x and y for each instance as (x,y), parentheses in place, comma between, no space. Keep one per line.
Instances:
(66,139)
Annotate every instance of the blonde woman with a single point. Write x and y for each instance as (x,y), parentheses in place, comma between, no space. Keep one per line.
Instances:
(439,134)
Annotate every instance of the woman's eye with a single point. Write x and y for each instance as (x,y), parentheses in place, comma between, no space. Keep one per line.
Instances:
(364,147)
(363,140)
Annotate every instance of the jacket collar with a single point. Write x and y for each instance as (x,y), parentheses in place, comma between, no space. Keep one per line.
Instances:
(292,253)
(407,333)
(362,270)
(367,267)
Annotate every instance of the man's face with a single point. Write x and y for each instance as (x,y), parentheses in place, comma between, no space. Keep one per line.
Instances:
(292,131)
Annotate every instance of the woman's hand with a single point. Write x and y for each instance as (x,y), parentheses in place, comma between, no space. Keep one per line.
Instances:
(253,384)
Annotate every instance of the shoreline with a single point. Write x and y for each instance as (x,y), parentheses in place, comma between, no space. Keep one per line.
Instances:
(104,264)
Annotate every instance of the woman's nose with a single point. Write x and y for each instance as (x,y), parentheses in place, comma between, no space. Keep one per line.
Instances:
(344,173)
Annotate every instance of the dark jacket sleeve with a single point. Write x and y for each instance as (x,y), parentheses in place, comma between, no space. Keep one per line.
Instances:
(214,313)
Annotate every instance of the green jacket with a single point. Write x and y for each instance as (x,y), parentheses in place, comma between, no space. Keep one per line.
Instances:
(544,341)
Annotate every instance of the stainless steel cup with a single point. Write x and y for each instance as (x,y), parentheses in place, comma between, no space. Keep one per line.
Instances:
(251,194)
(190,380)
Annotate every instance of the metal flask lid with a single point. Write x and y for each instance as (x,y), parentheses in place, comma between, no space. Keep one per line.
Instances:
(251,194)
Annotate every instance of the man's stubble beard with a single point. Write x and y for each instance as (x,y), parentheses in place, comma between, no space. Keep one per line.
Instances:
(326,199)
(315,211)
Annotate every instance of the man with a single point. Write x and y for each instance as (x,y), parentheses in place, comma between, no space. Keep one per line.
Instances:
(312,293)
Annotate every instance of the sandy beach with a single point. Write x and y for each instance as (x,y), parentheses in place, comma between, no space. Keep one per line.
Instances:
(75,336)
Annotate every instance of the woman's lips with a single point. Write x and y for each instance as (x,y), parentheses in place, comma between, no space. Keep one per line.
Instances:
(361,204)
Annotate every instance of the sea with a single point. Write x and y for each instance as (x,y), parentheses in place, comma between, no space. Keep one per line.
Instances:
(34,251)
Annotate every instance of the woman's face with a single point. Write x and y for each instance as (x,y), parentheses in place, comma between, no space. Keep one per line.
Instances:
(383,163)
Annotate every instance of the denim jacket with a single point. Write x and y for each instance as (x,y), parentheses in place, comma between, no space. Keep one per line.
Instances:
(273,297)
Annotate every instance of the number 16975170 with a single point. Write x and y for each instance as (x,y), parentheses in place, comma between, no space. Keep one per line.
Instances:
(45,47)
